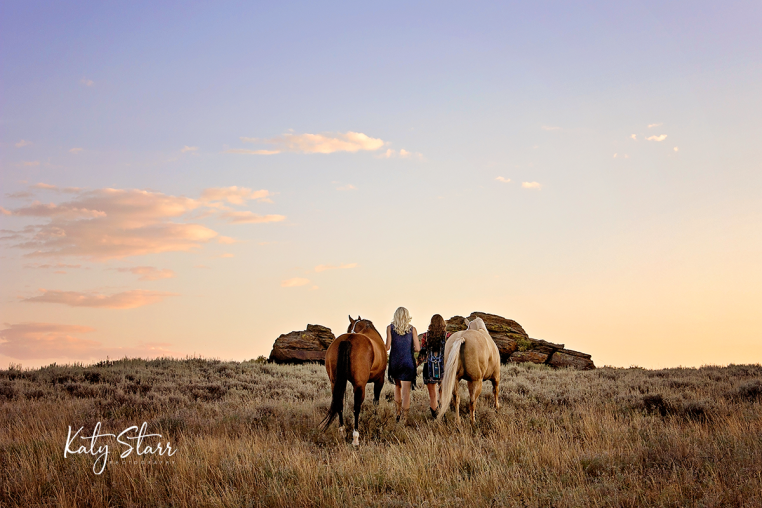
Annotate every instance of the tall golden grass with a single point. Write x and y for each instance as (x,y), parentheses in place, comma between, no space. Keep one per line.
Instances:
(246,435)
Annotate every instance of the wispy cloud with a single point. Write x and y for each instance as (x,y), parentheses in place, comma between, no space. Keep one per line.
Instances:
(296,281)
(123,300)
(57,265)
(235,195)
(532,185)
(20,195)
(47,186)
(115,223)
(346,187)
(29,341)
(316,143)
(676,149)
(226,255)
(75,150)
(502,179)
(226,240)
(149,272)
(657,138)
(322,268)
(652,125)
(23,143)
(251,152)
(30,163)
(246,217)
(87,82)
(187,148)
(402,154)
(550,128)
(634,137)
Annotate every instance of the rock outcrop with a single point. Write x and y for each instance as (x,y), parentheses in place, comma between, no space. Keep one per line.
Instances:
(515,345)
(308,345)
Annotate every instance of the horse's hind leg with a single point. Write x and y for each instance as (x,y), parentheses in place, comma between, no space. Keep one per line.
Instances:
(377,386)
(495,391)
(474,390)
(342,430)
(359,398)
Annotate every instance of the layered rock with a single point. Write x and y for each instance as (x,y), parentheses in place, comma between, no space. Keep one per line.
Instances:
(308,345)
(513,342)
(515,345)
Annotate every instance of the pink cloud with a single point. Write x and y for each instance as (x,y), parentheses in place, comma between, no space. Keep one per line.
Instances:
(107,223)
(27,341)
(247,217)
(57,265)
(123,300)
(149,272)
(114,223)
(294,282)
(234,195)
(316,143)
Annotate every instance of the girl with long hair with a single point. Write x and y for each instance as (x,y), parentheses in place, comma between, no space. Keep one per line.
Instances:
(402,343)
(432,356)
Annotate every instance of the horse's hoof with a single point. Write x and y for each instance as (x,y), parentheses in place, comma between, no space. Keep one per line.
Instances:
(355,438)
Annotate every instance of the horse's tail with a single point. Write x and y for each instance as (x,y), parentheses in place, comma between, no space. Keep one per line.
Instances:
(340,386)
(450,377)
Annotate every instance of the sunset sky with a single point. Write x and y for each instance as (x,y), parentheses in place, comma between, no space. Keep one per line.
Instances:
(196,179)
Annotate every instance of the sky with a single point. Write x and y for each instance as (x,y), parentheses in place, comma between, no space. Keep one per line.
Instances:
(195,179)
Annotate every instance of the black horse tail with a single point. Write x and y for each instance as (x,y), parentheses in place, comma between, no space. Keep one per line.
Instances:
(340,386)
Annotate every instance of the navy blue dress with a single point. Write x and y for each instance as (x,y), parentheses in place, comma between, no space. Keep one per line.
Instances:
(401,360)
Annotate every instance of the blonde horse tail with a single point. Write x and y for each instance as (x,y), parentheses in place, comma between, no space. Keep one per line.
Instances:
(450,377)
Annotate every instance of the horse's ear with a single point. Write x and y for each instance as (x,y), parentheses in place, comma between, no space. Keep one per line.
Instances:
(359,318)
(350,319)
(468,323)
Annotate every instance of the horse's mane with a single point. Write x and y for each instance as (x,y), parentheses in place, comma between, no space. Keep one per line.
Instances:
(372,326)
(478,324)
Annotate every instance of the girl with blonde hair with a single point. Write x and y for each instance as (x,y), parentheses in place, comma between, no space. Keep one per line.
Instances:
(402,343)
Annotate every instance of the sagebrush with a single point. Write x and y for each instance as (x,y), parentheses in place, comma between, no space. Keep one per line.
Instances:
(246,435)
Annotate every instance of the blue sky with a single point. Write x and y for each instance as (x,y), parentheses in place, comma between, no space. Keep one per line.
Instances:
(520,177)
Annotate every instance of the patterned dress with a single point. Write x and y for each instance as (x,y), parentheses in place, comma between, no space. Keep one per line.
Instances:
(433,363)
(401,359)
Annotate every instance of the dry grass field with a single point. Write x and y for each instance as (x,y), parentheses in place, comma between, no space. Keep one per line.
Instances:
(245,434)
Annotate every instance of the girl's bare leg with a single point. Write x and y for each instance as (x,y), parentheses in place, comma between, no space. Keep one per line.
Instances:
(433,395)
(406,394)
(398,397)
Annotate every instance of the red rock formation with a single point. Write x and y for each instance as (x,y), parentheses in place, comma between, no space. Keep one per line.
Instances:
(515,345)
(309,345)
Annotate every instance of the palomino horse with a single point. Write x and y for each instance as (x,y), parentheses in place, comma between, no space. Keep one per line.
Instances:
(473,355)
(358,356)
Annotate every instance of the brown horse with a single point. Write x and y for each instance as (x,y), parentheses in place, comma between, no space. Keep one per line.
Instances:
(358,356)
(472,355)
